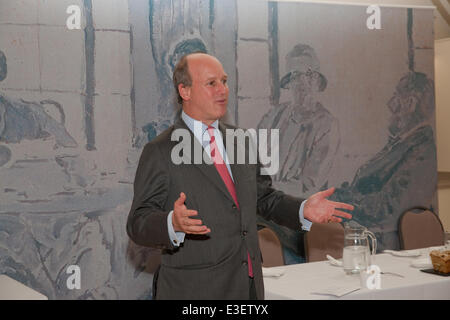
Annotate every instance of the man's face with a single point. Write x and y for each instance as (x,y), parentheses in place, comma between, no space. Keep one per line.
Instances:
(207,98)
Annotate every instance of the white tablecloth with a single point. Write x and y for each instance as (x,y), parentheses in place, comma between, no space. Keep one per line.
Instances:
(300,281)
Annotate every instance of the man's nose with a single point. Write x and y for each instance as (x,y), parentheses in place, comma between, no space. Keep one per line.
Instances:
(222,88)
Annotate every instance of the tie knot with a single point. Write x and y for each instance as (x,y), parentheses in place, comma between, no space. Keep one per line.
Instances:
(211,133)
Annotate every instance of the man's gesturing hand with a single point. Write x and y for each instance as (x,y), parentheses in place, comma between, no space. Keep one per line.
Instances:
(181,218)
(320,210)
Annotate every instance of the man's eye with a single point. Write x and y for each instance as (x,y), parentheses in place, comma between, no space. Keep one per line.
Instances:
(211,83)
(224,81)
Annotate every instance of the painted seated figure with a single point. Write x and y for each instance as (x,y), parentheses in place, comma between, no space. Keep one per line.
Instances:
(20,119)
(403,174)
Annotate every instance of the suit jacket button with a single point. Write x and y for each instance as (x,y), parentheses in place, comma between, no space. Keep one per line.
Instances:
(244,233)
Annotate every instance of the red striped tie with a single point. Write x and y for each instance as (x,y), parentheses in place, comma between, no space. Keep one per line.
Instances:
(225,175)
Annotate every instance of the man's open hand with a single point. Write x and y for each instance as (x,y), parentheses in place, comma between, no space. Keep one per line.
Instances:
(320,210)
(182,221)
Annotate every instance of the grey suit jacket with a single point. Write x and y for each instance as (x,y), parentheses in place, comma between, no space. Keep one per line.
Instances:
(212,266)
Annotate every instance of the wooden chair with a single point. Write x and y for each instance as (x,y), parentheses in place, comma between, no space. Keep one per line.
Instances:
(324,239)
(271,249)
(420,228)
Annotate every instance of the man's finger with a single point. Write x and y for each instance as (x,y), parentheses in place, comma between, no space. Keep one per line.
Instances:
(342,214)
(335,219)
(190,213)
(197,229)
(342,205)
(326,193)
(192,222)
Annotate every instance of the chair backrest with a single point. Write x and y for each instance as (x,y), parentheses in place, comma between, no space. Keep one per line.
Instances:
(420,228)
(271,249)
(323,239)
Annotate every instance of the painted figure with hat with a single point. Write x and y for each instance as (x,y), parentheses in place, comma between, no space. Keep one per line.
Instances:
(309,138)
(309,133)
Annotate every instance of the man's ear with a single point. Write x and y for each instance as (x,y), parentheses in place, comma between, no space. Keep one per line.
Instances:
(185,91)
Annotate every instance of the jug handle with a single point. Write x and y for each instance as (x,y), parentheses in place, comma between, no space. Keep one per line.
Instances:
(374,241)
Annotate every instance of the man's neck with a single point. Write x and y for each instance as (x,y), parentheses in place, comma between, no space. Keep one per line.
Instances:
(190,121)
(205,122)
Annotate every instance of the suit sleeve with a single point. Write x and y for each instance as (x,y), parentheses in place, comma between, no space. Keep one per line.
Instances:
(275,205)
(147,220)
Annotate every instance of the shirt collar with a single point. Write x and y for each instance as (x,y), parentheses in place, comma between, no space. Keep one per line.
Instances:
(192,123)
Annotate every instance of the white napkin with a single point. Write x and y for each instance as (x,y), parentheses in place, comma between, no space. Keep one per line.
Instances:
(422,263)
(426,251)
(271,272)
(334,262)
(404,253)
(338,290)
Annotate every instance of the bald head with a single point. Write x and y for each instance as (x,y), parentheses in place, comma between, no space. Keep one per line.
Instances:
(197,57)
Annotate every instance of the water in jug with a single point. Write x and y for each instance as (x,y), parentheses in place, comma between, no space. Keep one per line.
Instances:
(357,254)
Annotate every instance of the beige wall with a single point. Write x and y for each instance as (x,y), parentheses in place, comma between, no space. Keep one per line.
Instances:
(444,207)
(442,81)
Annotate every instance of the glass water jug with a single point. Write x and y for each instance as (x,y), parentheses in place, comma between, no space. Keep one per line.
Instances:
(357,254)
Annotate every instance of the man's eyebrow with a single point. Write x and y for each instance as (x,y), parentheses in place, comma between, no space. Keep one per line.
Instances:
(214,78)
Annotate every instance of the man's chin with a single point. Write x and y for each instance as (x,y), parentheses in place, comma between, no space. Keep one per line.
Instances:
(221,110)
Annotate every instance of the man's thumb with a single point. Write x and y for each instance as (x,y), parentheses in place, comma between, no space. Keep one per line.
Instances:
(327,193)
(181,199)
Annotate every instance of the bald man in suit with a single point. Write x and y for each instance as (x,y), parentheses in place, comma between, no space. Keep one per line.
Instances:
(203,216)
